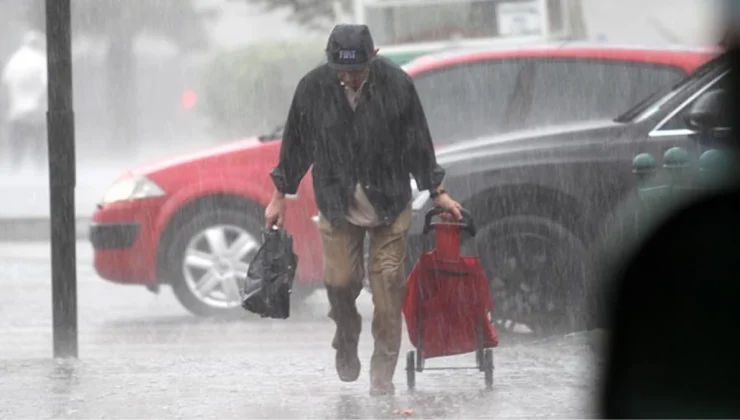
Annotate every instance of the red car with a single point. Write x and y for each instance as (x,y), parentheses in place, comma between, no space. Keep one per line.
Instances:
(194,221)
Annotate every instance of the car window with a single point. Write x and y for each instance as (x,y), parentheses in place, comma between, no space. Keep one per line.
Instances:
(653,102)
(569,90)
(467,101)
(676,122)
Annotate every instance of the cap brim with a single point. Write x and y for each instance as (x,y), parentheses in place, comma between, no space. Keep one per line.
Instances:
(349,67)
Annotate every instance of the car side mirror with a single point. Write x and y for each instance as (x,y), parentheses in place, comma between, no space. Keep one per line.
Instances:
(276,134)
(708,112)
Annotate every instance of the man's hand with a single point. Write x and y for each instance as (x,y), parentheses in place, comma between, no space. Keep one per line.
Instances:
(444,201)
(275,211)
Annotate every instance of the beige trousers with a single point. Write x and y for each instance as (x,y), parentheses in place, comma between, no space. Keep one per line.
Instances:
(344,271)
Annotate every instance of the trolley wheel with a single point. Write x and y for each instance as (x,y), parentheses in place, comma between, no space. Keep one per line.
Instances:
(480,347)
(488,367)
(411,369)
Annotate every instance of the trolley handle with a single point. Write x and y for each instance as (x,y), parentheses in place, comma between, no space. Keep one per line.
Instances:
(466,224)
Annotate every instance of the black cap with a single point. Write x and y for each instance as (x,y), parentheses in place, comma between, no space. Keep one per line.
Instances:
(350,48)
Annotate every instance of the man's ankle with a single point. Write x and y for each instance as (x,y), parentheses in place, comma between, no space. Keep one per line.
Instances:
(380,389)
(347,362)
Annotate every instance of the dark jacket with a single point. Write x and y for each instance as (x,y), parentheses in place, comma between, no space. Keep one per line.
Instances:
(379,145)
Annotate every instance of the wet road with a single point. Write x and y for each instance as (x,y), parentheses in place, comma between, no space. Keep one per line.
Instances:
(143,356)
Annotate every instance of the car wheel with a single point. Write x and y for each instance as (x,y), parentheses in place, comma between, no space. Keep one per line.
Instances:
(535,269)
(208,258)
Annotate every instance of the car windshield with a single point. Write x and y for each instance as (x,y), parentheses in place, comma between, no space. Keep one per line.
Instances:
(655,101)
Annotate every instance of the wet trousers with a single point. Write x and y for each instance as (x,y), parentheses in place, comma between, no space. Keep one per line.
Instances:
(343,249)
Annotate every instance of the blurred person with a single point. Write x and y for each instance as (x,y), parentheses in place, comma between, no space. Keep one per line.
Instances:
(359,121)
(24,82)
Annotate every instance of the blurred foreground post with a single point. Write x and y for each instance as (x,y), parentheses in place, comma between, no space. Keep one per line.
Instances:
(61,140)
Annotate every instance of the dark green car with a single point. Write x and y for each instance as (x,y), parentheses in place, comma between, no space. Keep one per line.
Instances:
(402,54)
(406,53)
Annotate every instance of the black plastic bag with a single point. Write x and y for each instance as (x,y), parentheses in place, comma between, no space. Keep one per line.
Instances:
(269,282)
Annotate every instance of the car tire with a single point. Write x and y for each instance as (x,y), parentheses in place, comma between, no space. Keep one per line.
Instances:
(561,280)
(191,234)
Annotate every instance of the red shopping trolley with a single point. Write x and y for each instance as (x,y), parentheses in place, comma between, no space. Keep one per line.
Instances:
(448,303)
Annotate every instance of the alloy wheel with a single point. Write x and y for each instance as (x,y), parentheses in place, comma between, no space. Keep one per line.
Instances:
(526,274)
(216,262)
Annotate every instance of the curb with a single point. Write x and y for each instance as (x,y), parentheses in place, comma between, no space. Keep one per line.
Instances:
(30,229)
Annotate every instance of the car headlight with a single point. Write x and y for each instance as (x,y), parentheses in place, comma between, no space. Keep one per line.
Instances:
(132,188)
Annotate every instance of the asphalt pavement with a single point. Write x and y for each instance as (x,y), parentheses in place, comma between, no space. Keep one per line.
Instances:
(143,356)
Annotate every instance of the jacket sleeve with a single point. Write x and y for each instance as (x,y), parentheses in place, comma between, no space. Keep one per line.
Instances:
(419,152)
(296,153)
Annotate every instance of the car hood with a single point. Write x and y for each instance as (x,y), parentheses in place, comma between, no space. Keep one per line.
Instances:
(548,138)
(224,151)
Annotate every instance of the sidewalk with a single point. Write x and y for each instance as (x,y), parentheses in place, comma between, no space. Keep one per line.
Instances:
(41,251)
(24,215)
(26,193)
(290,377)
(33,229)
(243,386)
(143,356)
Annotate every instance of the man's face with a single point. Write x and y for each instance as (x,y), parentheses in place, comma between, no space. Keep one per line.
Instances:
(353,79)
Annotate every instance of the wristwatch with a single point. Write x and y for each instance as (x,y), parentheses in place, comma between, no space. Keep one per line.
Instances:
(436,193)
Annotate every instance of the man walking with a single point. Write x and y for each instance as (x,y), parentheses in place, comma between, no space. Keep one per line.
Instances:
(358,120)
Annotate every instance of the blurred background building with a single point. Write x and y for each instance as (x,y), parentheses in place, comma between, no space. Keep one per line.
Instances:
(159,77)
(138,65)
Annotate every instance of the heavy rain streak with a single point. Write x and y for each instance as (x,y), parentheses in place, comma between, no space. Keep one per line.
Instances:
(180,109)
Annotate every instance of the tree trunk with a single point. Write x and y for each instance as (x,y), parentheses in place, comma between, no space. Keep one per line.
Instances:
(122,92)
